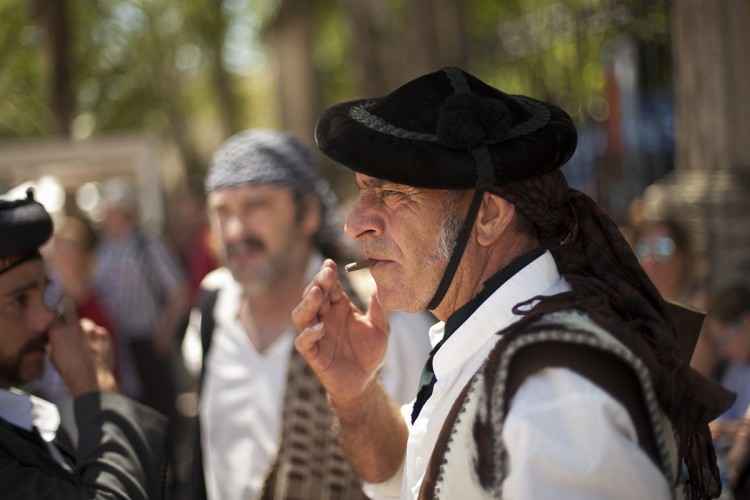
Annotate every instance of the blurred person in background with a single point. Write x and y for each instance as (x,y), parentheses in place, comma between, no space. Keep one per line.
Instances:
(192,237)
(728,329)
(666,252)
(144,290)
(119,451)
(147,297)
(72,264)
(265,429)
(71,274)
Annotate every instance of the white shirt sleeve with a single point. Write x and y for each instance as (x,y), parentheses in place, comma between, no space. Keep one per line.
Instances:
(192,348)
(568,439)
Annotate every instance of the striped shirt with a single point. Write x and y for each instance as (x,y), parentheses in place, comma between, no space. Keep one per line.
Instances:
(133,276)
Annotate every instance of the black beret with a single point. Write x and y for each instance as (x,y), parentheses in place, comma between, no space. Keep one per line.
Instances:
(448,130)
(25,225)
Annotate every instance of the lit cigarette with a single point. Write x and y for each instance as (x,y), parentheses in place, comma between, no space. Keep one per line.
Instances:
(361,264)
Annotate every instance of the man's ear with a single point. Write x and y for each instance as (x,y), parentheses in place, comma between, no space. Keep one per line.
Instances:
(312,216)
(495,217)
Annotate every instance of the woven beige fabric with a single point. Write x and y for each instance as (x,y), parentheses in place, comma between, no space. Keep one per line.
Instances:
(310,464)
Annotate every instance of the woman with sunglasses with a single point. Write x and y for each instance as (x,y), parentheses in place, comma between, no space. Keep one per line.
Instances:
(665,251)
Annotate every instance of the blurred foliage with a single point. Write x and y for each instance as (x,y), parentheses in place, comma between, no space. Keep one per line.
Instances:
(197,70)
(559,50)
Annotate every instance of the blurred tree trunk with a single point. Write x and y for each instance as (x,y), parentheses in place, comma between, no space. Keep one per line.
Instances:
(291,36)
(434,32)
(168,86)
(170,89)
(216,35)
(708,191)
(439,38)
(53,17)
(378,62)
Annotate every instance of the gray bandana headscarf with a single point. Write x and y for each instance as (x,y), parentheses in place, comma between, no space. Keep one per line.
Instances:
(265,157)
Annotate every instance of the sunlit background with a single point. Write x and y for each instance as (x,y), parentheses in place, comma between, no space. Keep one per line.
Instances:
(148,88)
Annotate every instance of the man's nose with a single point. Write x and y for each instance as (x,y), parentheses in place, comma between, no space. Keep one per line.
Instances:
(44,317)
(362,220)
(234,228)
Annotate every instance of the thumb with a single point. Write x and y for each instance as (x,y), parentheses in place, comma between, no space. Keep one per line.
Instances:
(378,316)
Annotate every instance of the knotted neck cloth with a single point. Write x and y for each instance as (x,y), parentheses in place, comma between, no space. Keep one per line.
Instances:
(610,286)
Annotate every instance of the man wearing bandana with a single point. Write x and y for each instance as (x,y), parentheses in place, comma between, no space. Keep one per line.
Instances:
(120,448)
(265,426)
(557,370)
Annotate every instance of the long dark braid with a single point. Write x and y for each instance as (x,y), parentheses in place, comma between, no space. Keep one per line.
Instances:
(611,287)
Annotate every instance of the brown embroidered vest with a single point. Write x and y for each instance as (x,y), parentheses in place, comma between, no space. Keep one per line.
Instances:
(310,464)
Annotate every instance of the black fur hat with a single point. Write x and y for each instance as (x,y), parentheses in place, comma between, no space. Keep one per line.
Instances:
(448,130)
(25,225)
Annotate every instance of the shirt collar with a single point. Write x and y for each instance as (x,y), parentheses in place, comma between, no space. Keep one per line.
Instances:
(490,286)
(26,411)
(539,277)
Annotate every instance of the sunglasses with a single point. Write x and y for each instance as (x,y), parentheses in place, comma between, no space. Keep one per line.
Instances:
(659,249)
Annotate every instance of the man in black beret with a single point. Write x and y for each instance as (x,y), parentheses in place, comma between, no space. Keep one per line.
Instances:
(555,371)
(119,453)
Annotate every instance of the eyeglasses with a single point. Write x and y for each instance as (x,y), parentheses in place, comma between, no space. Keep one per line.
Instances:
(659,249)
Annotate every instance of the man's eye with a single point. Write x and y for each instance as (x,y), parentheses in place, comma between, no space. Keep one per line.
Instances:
(390,192)
(19,301)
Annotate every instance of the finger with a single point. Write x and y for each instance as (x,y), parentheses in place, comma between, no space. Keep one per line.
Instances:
(66,311)
(307,341)
(327,264)
(87,325)
(306,312)
(337,291)
(313,282)
(327,279)
(330,264)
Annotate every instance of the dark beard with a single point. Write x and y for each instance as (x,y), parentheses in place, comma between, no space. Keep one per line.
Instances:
(10,368)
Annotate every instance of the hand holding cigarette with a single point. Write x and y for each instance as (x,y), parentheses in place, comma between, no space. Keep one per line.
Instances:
(344,346)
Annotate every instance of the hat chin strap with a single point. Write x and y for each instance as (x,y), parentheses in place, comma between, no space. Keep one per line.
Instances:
(458,251)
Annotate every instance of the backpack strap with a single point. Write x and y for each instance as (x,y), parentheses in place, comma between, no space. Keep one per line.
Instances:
(206,306)
(197,486)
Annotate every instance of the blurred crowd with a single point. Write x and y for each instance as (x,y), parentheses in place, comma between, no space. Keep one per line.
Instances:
(666,250)
(142,285)
(241,231)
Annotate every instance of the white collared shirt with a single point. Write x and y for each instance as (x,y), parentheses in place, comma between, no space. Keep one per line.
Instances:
(534,473)
(242,399)
(26,411)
